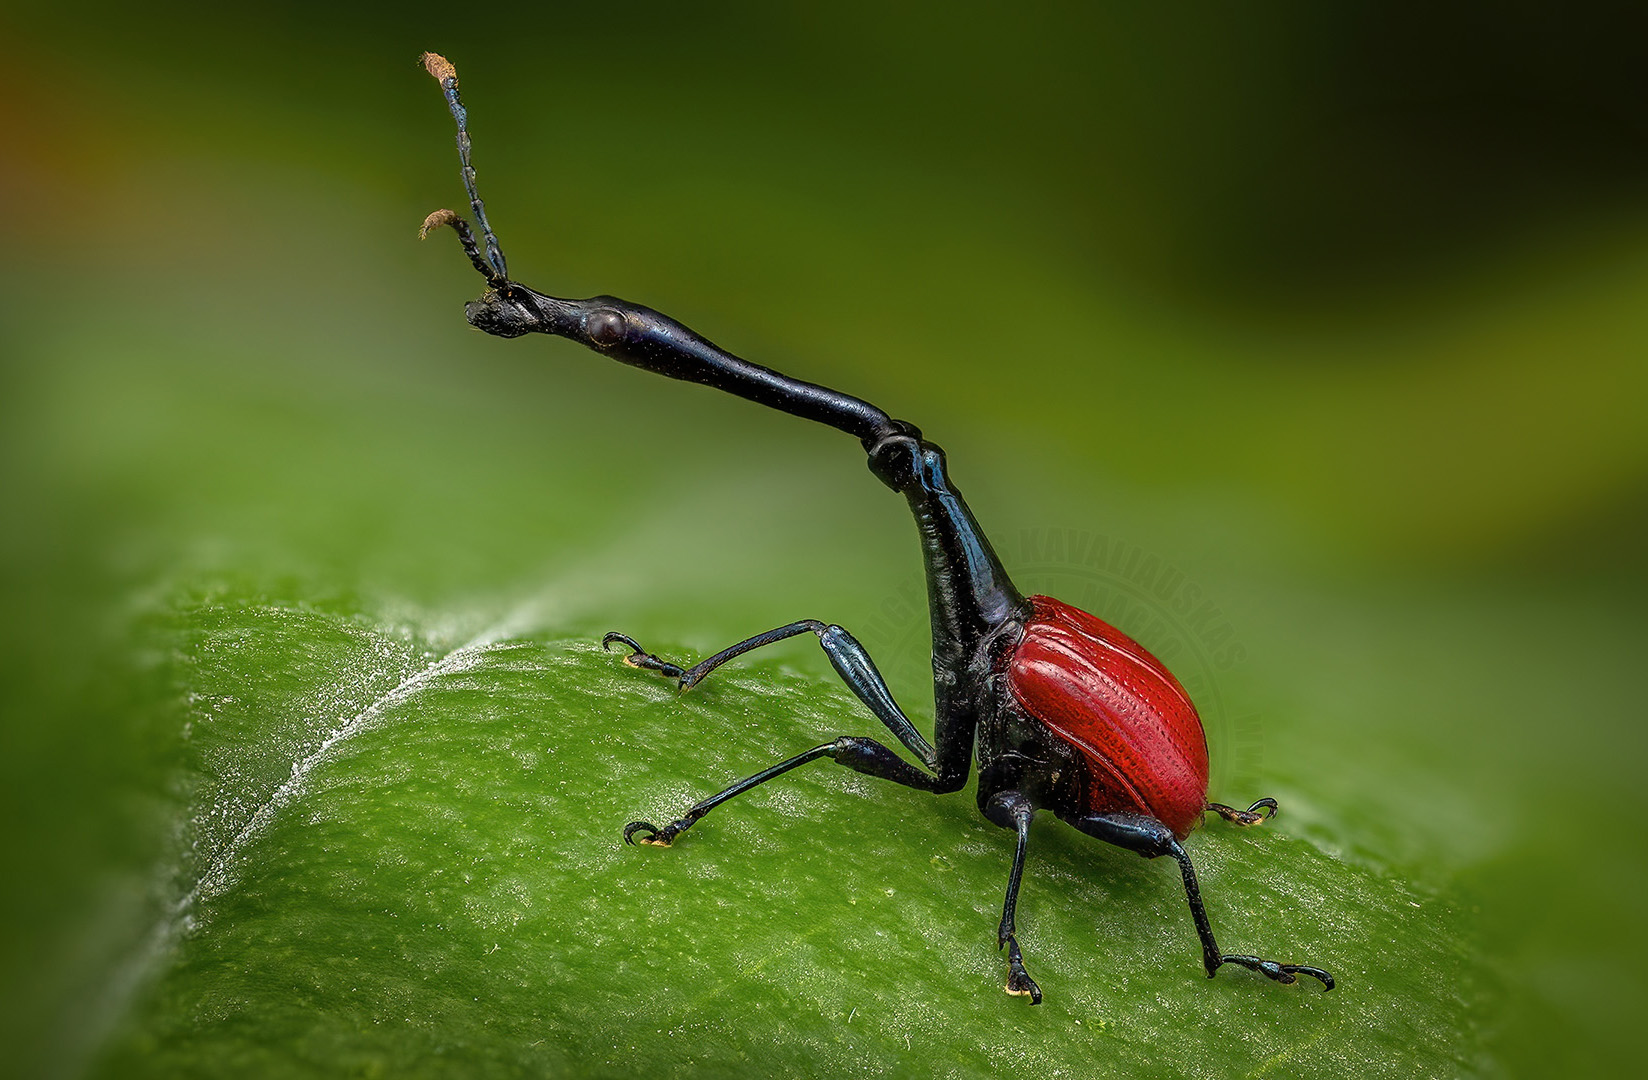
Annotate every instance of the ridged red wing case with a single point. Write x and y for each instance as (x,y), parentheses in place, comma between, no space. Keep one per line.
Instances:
(1107,697)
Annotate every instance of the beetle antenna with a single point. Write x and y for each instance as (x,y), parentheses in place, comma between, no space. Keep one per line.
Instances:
(466,237)
(443,72)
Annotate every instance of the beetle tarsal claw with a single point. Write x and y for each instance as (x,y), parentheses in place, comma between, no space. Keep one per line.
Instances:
(613,637)
(1314,972)
(1250,816)
(656,837)
(638,656)
(1286,974)
(1019,982)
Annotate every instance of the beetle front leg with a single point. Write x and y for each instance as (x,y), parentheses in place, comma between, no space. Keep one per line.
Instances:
(847,656)
(1151,839)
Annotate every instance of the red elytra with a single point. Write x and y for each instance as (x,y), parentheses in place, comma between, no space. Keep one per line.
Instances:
(1106,696)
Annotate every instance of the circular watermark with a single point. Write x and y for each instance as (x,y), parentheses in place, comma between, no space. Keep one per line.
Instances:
(1146,597)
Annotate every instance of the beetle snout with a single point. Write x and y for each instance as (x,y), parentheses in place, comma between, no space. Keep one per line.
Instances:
(499,316)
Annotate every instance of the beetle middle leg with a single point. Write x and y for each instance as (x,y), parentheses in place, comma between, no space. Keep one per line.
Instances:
(1011,810)
(857,753)
(1150,838)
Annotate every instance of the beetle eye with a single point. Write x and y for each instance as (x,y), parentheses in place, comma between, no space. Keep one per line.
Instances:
(605,327)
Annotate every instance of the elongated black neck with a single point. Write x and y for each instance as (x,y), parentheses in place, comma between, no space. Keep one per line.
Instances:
(644,338)
(969,593)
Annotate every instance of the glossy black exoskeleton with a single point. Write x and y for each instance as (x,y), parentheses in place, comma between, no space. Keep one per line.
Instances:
(1064,712)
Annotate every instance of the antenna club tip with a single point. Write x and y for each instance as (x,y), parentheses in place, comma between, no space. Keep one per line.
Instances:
(439,66)
(435,221)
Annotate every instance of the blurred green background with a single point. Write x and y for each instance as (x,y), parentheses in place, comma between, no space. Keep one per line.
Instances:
(1339,310)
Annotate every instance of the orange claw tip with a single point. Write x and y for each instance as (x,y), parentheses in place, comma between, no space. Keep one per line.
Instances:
(439,66)
(436,220)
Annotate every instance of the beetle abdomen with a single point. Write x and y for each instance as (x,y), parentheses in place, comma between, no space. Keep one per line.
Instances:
(1109,699)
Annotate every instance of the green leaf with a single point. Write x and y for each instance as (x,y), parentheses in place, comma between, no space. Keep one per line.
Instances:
(262,483)
(405,859)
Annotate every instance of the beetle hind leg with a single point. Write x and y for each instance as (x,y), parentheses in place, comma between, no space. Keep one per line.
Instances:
(1150,838)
